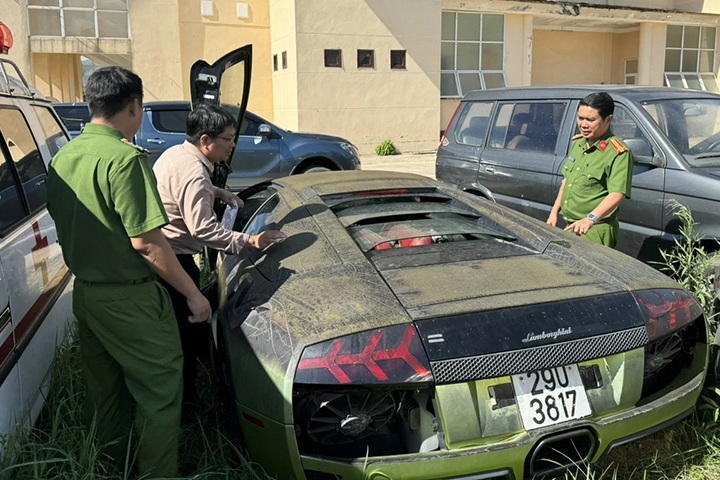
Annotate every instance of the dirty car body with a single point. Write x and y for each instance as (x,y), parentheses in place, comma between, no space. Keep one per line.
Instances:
(407,329)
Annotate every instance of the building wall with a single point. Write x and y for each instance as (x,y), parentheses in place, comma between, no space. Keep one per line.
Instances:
(369,105)
(58,76)
(626,46)
(13,15)
(284,80)
(563,57)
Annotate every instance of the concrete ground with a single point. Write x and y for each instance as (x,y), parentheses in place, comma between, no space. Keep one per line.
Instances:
(422,163)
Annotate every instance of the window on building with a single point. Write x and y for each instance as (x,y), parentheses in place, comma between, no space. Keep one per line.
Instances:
(631,70)
(472,55)
(366,58)
(333,58)
(284,60)
(690,57)
(79,18)
(397,59)
(275,63)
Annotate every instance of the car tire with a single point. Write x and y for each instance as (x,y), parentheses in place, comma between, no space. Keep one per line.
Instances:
(316,170)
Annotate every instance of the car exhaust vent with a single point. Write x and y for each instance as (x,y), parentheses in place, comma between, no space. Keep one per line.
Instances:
(557,454)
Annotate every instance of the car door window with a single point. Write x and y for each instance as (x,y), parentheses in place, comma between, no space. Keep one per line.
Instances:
(54,135)
(528,126)
(249,127)
(253,201)
(627,129)
(473,125)
(11,207)
(170,121)
(259,221)
(26,156)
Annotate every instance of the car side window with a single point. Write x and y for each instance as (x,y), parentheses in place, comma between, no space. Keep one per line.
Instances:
(249,127)
(252,205)
(527,126)
(26,156)
(170,121)
(54,135)
(11,207)
(260,219)
(472,127)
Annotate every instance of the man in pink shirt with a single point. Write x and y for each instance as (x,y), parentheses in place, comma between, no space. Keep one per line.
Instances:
(187,193)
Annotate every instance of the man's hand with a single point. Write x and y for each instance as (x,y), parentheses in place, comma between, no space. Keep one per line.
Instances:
(552,219)
(266,238)
(200,308)
(580,227)
(228,197)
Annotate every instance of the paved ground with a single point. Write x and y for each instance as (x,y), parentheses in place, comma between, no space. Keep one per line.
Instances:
(422,163)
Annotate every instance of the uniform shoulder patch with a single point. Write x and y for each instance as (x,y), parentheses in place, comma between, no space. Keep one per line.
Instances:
(618,145)
(136,147)
(577,137)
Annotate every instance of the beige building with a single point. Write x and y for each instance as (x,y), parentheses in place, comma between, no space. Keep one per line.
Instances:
(368,70)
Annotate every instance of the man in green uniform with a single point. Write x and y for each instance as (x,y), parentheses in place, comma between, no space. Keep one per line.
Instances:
(103,198)
(597,175)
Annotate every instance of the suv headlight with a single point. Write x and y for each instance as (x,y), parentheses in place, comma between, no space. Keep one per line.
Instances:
(351,149)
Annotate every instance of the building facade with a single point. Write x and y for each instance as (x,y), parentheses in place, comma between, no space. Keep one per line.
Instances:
(369,70)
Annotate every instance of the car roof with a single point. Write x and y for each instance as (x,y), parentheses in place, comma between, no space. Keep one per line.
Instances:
(632,93)
(346,181)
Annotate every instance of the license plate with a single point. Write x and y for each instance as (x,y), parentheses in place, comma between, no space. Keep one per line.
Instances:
(550,396)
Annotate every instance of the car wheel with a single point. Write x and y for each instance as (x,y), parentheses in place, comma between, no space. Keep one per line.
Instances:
(316,170)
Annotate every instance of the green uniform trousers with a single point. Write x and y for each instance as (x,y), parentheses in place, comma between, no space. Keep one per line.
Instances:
(604,233)
(130,350)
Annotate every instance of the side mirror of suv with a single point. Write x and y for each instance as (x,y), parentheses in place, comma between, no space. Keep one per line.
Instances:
(264,130)
(642,151)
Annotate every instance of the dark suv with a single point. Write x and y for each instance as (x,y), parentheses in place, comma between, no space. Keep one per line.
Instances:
(509,145)
(264,151)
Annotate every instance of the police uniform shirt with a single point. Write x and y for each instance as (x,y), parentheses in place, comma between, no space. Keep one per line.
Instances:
(101,192)
(592,172)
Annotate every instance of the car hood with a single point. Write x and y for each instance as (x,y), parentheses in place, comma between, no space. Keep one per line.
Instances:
(320,136)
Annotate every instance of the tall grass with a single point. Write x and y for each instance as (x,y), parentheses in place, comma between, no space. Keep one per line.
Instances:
(61,446)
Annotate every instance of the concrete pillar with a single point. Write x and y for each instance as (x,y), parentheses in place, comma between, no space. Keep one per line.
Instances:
(651,54)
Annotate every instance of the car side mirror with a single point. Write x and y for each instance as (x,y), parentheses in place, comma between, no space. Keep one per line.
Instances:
(642,151)
(264,130)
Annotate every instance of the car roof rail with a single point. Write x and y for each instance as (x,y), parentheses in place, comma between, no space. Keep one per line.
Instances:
(9,84)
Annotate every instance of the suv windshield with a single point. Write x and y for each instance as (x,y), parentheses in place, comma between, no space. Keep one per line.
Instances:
(693,127)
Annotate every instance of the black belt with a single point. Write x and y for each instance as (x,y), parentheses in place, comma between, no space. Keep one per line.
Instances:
(602,220)
(149,278)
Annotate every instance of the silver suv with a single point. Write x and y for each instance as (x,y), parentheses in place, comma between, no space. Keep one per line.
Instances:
(509,145)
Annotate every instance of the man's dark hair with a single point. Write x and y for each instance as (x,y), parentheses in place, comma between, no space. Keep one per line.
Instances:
(208,120)
(600,101)
(110,89)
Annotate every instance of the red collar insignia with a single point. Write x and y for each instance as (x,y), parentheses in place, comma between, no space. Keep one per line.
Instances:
(602,146)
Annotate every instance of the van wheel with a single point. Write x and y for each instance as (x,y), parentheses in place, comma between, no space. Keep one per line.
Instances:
(316,170)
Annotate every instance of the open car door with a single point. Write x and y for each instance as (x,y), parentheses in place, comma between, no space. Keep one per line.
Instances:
(225,83)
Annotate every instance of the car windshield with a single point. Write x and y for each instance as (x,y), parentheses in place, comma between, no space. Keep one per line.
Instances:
(693,127)
(381,222)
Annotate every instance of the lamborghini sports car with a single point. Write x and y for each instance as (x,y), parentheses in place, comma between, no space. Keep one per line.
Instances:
(408,330)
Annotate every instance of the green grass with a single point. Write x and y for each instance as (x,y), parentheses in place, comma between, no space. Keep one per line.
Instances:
(62,447)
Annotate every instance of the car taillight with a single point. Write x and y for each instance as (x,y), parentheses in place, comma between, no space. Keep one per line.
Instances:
(667,310)
(443,140)
(391,355)
(674,322)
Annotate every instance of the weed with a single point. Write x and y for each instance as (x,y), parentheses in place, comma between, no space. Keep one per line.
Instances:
(387,147)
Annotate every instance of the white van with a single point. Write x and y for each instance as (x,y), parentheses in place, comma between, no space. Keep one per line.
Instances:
(35,284)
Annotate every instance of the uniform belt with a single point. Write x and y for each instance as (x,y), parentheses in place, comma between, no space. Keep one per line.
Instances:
(602,220)
(149,278)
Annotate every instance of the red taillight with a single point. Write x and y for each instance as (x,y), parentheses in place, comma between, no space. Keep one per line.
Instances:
(443,140)
(667,310)
(385,356)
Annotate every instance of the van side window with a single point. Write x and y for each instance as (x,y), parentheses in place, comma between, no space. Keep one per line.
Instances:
(626,127)
(53,131)
(26,156)
(531,127)
(474,124)
(249,127)
(11,208)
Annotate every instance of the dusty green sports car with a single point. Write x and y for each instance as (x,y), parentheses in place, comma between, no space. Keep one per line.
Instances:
(408,330)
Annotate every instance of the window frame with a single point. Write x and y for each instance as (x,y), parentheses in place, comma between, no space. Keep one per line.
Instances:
(327,59)
(97,13)
(364,54)
(691,79)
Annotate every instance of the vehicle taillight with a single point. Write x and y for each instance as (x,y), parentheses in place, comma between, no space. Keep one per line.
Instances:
(443,140)
(389,355)
(667,310)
